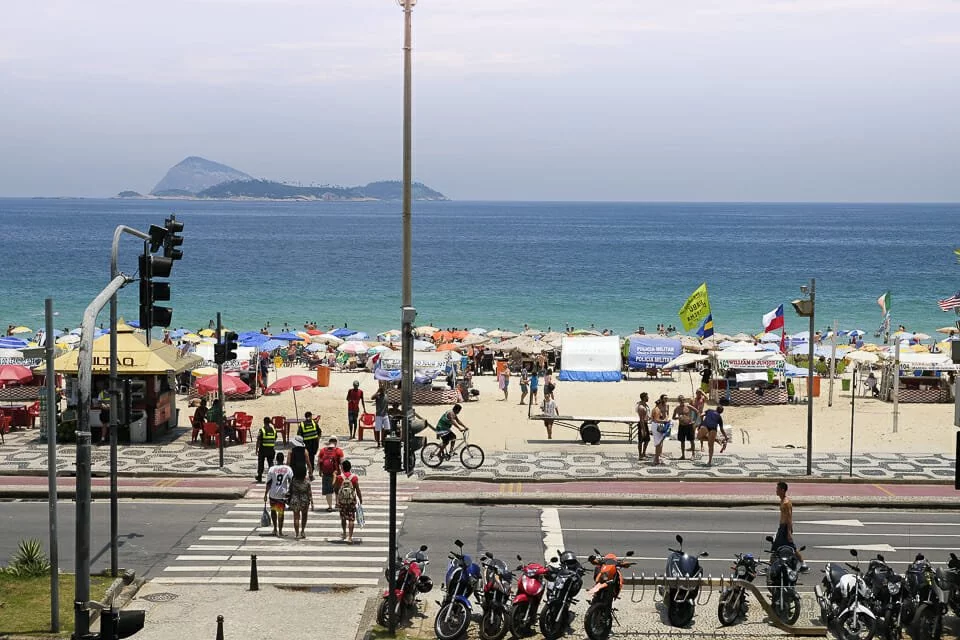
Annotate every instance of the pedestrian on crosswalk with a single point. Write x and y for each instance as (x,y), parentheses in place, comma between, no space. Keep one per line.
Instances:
(329,460)
(347,487)
(310,432)
(266,441)
(277,490)
(301,496)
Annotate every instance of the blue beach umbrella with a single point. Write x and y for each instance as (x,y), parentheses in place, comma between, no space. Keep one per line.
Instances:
(134,323)
(342,332)
(254,340)
(271,345)
(287,336)
(9,342)
(359,335)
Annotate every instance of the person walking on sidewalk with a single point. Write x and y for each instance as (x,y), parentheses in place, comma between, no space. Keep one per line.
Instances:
(784,537)
(712,420)
(550,410)
(348,497)
(301,496)
(277,490)
(266,441)
(381,419)
(354,402)
(643,425)
(330,459)
(310,431)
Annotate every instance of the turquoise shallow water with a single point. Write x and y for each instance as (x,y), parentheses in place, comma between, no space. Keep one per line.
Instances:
(492,264)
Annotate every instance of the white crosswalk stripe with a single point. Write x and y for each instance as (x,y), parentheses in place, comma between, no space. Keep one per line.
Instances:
(221,553)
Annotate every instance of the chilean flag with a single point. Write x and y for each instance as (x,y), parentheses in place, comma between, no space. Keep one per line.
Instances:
(773,320)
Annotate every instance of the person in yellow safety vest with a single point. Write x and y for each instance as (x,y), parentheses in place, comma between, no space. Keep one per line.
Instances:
(310,431)
(266,441)
(104,399)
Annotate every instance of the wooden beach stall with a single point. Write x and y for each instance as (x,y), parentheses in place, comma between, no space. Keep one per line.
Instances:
(924,378)
(156,365)
(429,375)
(748,378)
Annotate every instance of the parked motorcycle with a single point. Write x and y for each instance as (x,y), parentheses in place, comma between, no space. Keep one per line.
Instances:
(886,587)
(460,584)
(497,583)
(782,582)
(949,580)
(531,585)
(561,593)
(409,582)
(733,600)
(924,602)
(843,596)
(681,601)
(608,582)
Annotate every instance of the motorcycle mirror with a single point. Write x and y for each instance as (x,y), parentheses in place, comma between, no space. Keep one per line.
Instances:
(680,539)
(769,539)
(519,558)
(596,551)
(458,543)
(853,552)
(704,554)
(423,547)
(489,555)
(880,557)
(629,553)
(802,548)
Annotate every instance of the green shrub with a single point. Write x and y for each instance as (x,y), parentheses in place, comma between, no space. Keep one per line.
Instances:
(30,561)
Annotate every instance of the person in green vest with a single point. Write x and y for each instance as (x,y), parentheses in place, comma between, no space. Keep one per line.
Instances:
(266,441)
(310,431)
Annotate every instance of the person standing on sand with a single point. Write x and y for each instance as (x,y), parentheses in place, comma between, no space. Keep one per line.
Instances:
(524,384)
(534,385)
(548,384)
(685,417)
(549,409)
(643,425)
(505,383)
(354,402)
(381,420)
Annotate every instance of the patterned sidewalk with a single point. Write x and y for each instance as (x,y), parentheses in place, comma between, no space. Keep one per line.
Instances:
(24,453)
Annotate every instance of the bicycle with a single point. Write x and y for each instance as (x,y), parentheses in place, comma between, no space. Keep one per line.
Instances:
(471,456)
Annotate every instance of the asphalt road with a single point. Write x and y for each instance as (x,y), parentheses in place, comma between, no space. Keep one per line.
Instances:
(149,531)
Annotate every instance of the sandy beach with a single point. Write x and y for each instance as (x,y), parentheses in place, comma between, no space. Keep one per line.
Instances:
(497,425)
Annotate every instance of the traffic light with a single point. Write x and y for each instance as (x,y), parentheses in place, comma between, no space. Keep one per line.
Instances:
(135,395)
(116,624)
(413,442)
(392,454)
(157,236)
(229,346)
(171,239)
(151,267)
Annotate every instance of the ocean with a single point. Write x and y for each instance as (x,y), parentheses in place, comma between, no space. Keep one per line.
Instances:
(491,264)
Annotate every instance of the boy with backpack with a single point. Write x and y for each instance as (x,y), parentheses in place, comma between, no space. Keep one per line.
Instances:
(347,486)
(329,460)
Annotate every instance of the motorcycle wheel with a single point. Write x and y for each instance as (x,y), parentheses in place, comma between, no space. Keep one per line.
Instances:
(598,622)
(383,612)
(789,611)
(680,614)
(519,626)
(930,625)
(853,627)
(451,621)
(493,624)
(550,626)
(430,455)
(728,610)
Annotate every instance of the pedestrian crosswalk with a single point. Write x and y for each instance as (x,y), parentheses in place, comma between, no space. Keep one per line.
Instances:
(221,554)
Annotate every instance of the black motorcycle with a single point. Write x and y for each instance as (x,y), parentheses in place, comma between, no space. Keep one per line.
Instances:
(843,597)
(923,602)
(949,580)
(887,601)
(782,582)
(733,600)
(497,581)
(681,599)
(561,593)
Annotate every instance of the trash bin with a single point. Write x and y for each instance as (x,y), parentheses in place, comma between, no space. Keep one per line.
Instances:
(816,386)
(323,376)
(845,384)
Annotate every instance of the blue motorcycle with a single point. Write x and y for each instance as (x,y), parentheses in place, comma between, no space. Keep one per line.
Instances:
(459,585)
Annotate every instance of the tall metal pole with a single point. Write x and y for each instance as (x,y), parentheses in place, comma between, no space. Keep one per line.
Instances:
(896,385)
(813,313)
(84,377)
(52,471)
(833,360)
(220,390)
(853,411)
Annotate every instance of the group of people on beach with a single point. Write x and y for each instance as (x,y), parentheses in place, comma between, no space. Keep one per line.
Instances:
(694,422)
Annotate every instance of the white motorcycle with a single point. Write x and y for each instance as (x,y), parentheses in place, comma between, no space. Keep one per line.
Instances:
(843,597)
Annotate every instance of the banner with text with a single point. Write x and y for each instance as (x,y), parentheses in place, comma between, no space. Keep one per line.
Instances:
(695,309)
(651,353)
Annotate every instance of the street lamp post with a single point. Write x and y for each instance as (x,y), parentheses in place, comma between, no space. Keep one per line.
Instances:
(806,308)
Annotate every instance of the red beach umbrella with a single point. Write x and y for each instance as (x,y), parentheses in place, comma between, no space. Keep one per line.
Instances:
(297,382)
(14,374)
(232,385)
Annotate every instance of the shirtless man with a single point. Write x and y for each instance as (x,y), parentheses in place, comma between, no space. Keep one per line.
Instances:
(643,423)
(685,415)
(660,426)
(784,535)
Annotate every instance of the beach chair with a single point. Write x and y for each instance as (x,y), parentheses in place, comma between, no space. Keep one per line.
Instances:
(211,433)
(280,424)
(33,412)
(366,421)
(4,426)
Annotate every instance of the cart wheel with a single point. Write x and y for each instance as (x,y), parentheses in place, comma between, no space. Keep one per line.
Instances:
(590,433)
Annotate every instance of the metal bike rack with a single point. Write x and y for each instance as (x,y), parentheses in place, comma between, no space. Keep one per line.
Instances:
(677,582)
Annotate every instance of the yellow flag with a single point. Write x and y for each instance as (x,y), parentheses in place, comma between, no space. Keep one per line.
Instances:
(695,309)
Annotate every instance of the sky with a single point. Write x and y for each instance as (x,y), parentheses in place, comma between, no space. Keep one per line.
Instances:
(634,100)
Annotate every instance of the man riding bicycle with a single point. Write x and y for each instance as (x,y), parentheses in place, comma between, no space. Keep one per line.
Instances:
(445,426)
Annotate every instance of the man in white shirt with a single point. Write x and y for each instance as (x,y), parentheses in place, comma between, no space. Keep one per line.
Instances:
(277,490)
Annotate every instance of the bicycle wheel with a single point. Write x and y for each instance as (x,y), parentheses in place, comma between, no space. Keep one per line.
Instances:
(471,456)
(430,455)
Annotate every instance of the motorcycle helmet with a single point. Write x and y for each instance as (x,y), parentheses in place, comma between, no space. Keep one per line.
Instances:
(568,560)
(424,583)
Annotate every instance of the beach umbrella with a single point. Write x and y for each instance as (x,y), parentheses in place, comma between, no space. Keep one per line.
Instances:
(353,347)
(202,372)
(532,333)
(862,356)
(921,336)
(425,331)
(68,339)
(948,330)
(206,333)
(343,332)
(379,348)
(442,336)
(271,345)
(423,345)
(13,353)
(857,333)
(21,329)
(254,340)
(450,346)
(480,331)
(232,385)
(870,347)
(685,359)
(315,347)
(358,336)
(769,337)
(14,374)
(314,332)
(387,335)
(191,337)
(297,382)
(920,348)
(328,339)
(10,342)
(288,336)
(742,337)
(474,339)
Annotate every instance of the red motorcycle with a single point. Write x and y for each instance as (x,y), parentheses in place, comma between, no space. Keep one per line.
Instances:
(410,581)
(531,585)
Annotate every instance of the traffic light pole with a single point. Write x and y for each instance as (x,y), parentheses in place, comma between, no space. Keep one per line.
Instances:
(220,390)
(51,418)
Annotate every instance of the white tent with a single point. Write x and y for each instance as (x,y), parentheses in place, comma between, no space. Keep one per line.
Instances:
(591,359)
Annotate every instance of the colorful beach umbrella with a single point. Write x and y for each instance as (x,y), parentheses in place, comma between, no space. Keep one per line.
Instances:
(359,335)
(450,346)
(232,385)
(353,347)
(328,339)
(297,382)
(14,374)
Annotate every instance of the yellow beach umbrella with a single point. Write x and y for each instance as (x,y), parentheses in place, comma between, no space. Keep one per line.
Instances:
(190,337)
(207,333)
(204,371)
(21,329)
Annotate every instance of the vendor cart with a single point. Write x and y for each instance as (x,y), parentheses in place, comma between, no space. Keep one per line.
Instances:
(589,426)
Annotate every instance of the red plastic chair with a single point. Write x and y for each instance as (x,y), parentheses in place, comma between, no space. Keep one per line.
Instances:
(366,421)
(211,433)
(4,426)
(280,424)
(33,412)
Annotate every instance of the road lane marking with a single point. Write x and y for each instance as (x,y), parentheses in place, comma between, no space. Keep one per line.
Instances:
(303,545)
(552,532)
(833,523)
(283,568)
(885,548)
(327,557)
(259,530)
(760,533)
(268,538)
(302,581)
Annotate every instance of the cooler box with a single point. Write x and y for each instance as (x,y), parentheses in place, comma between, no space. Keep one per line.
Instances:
(323,376)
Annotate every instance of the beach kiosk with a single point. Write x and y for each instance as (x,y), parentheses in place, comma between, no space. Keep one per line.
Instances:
(157,365)
(748,378)
(591,359)
(924,378)
(430,370)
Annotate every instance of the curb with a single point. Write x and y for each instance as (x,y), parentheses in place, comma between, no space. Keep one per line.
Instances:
(765,479)
(589,499)
(70,473)
(183,493)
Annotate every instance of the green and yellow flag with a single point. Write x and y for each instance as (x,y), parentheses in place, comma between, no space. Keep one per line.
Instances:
(695,309)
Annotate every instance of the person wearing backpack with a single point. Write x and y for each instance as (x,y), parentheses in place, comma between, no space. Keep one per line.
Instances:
(347,487)
(329,460)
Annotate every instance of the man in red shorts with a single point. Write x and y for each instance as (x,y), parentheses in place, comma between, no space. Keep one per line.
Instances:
(277,490)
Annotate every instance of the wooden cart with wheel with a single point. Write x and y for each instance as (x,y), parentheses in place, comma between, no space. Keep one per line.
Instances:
(589,426)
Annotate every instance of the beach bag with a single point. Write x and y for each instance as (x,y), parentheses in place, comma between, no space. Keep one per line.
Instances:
(347,495)
(359,516)
(265,517)
(663,428)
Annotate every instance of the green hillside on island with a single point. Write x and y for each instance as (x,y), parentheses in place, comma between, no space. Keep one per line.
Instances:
(269,190)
